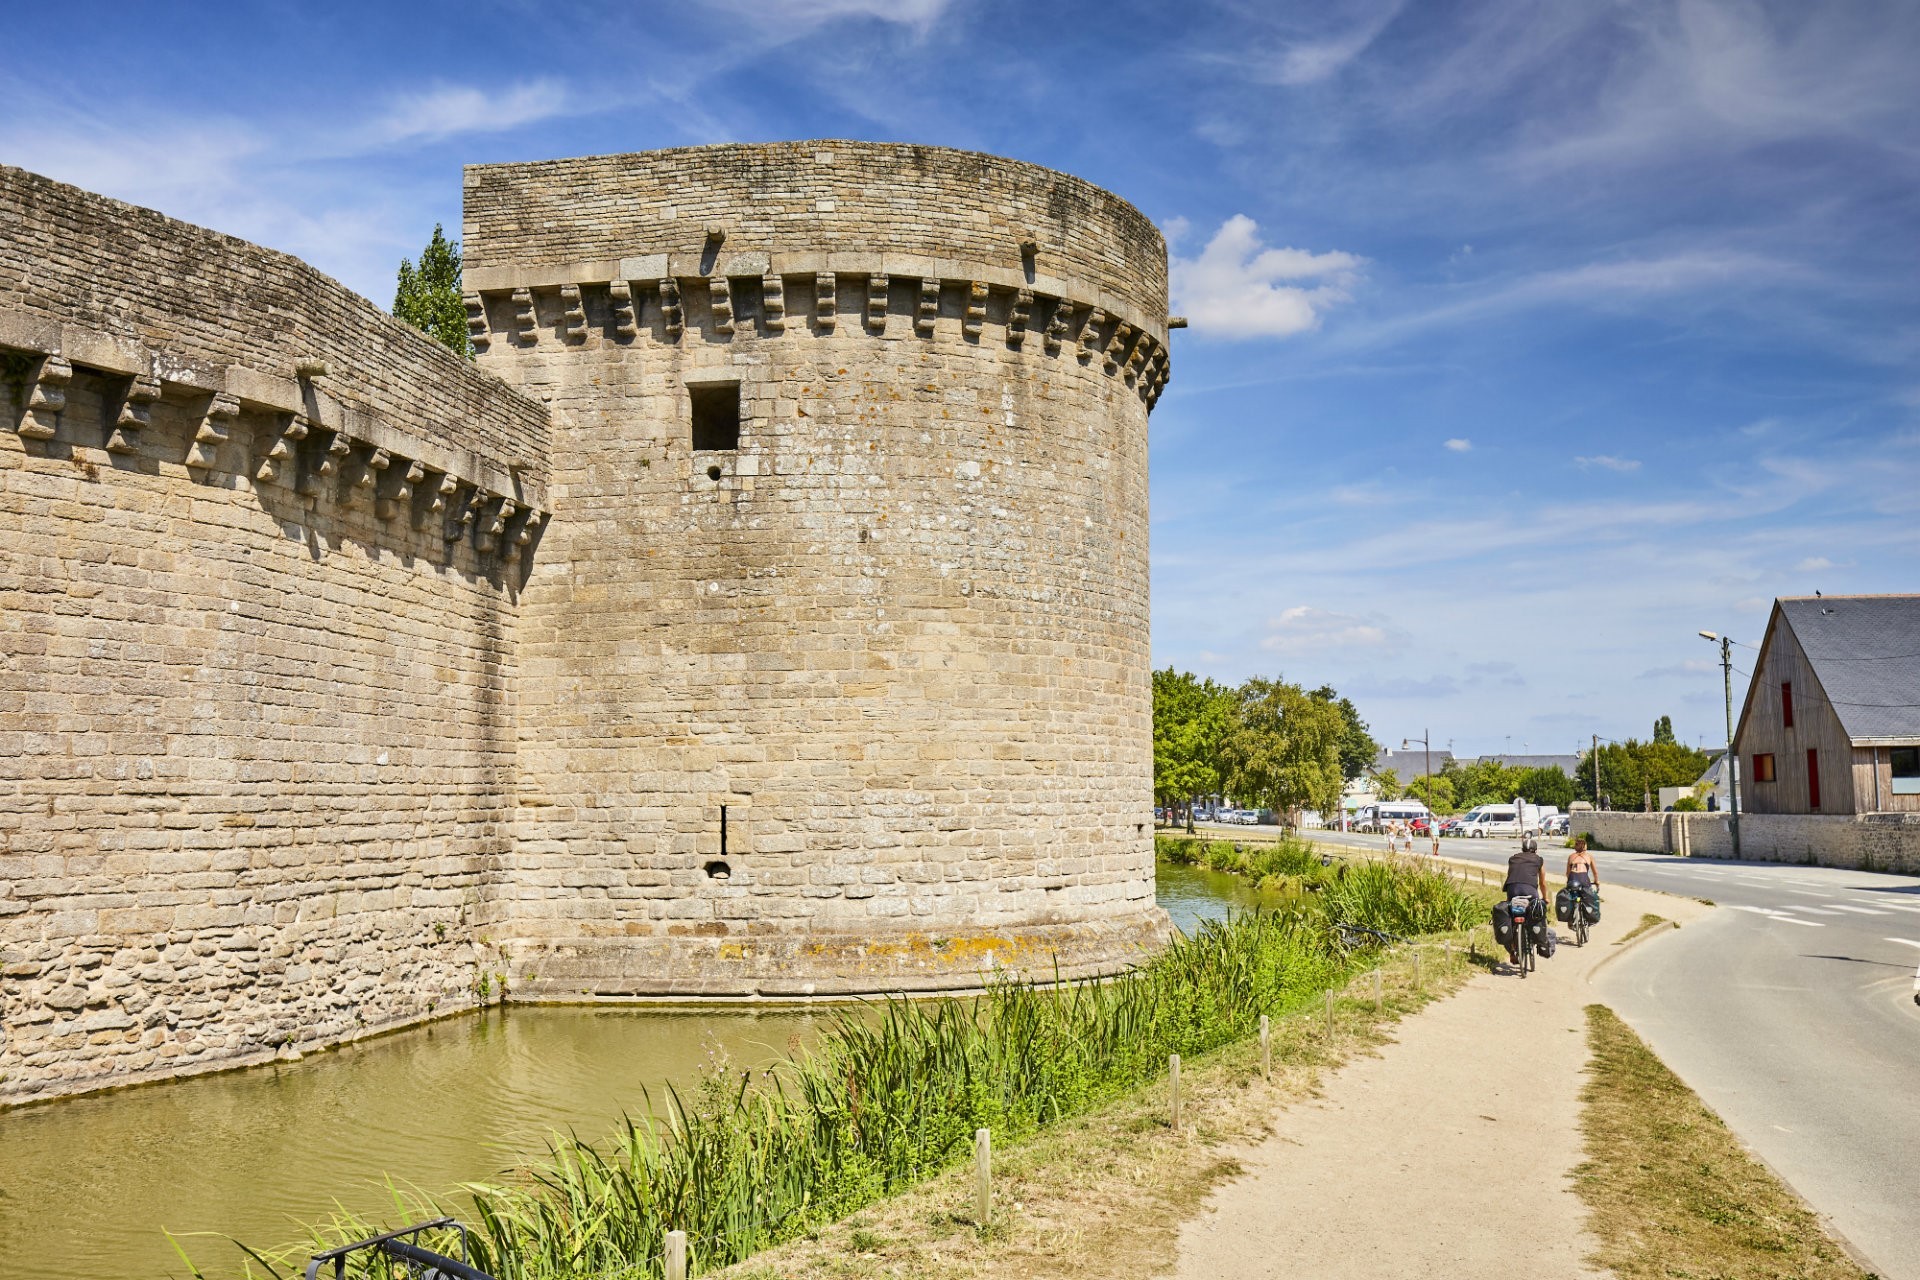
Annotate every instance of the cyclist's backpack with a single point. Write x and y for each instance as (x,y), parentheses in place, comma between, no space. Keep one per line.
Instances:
(1563,906)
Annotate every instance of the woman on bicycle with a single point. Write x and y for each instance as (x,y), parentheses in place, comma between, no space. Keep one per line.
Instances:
(1583,875)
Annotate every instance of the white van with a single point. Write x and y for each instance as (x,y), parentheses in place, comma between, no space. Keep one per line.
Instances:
(1503,820)
(1385,815)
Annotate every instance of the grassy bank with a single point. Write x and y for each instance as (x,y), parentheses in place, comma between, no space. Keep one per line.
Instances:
(1672,1192)
(888,1101)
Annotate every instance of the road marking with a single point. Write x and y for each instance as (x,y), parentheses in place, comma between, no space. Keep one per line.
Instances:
(1865,911)
(1909,942)
(1781,916)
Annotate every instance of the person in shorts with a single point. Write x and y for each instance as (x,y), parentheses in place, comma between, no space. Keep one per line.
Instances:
(1526,878)
(1583,875)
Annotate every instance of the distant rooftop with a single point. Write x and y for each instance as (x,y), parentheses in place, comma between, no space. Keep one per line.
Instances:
(1866,652)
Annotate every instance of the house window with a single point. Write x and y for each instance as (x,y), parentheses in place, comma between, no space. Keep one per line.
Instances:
(716,415)
(1763,768)
(1786,703)
(1906,770)
(1813,778)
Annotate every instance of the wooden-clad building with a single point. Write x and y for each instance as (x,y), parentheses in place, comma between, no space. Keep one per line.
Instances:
(1831,723)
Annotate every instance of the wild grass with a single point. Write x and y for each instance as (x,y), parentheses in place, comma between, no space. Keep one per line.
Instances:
(1671,1192)
(1404,896)
(892,1095)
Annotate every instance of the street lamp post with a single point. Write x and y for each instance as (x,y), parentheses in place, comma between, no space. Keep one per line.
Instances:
(1730,762)
(1426,741)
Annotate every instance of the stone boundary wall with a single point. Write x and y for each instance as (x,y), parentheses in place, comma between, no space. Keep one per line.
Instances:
(260,555)
(1867,842)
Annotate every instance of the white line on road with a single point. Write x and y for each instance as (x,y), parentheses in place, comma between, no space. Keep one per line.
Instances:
(1865,911)
(1909,942)
(1781,916)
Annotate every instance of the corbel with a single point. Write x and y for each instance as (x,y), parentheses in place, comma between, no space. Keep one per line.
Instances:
(1116,348)
(496,524)
(215,429)
(1137,361)
(1057,325)
(1019,318)
(282,453)
(400,496)
(524,319)
(573,324)
(48,399)
(929,309)
(529,527)
(877,303)
(136,413)
(826,300)
(449,486)
(720,293)
(976,309)
(773,302)
(369,480)
(620,293)
(1090,335)
(462,521)
(670,308)
(477,331)
(337,452)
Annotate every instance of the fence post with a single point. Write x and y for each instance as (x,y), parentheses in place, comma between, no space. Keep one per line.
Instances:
(1266,1047)
(1418,985)
(1173,1076)
(1329,1013)
(982,1176)
(1377,997)
(676,1255)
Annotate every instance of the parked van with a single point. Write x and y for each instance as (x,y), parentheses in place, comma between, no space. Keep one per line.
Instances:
(1377,818)
(1504,820)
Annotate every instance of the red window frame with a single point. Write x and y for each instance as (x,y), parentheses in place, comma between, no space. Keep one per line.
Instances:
(1813,778)
(1763,767)
(1786,703)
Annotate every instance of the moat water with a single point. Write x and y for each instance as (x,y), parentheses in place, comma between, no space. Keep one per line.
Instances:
(90,1186)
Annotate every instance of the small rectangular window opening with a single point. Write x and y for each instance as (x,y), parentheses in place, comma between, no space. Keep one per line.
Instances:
(1813,778)
(723,831)
(1786,704)
(716,415)
(1763,768)
(1904,764)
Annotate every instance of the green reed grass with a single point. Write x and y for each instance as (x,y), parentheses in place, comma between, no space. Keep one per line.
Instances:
(891,1095)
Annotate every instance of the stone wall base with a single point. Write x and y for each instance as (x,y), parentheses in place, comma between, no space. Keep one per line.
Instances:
(800,965)
(1864,842)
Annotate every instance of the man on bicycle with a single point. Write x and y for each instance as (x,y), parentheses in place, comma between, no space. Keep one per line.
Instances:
(1526,878)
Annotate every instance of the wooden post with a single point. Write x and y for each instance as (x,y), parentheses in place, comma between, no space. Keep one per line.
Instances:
(676,1255)
(1266,1047)
(982,1176)
(1329,1014)
(1377,993)
(1173,1077)
(1418,985)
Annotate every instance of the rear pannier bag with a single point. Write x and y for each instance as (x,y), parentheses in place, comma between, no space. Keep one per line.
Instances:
(1563,906)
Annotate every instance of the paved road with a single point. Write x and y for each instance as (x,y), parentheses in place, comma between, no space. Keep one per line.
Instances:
(1791,1012)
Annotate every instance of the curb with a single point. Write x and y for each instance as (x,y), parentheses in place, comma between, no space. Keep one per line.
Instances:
(1621,948)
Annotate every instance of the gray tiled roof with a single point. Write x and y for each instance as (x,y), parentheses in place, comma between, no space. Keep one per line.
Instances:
(1565,764)
(1866,652)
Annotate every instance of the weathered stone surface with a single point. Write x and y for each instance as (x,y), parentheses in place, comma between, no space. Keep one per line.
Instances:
(343,685)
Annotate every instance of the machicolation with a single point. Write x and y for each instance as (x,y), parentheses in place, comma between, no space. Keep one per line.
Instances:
(763,614)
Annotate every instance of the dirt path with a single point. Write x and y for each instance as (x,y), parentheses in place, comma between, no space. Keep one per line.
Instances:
(1447,1155)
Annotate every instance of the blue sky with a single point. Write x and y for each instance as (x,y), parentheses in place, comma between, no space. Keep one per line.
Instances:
(1527,339)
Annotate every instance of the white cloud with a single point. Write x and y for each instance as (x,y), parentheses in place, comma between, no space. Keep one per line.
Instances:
(1304,630)
(792,18)
(1311,61)
(447,110)
(1813,564)
(1238,288)
(1608,462)
(1460,444)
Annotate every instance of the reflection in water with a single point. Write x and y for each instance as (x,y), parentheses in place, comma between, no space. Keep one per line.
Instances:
(88,1184)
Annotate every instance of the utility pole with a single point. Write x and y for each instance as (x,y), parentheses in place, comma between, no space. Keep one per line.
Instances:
(1731,763)
(1596,771)
(1433,823)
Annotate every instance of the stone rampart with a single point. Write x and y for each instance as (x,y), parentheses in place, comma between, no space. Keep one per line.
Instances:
(256,619)
(859,700)
(1867,842)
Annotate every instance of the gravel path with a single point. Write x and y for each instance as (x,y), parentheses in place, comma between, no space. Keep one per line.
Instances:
(1449,1154)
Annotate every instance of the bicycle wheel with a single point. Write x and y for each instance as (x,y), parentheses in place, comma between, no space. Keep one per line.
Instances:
(1526,950)
(1580,926)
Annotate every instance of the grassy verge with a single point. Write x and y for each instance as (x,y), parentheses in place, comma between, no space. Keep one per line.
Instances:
(1647,921)
(1671,1191)
(892,1097)
(1104,1194)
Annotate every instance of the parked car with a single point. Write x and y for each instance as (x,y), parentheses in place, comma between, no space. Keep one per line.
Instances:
(1419,826)
(1557,825)
(1450,827)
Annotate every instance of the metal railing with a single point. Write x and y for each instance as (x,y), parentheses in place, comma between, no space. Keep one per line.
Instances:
(421,1263)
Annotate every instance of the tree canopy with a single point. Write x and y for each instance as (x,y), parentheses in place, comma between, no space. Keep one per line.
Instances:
(1631,771)
(1190,721)
(428,297)
(1268,742)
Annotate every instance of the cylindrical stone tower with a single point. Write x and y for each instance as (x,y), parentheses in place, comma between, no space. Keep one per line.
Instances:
(833,662)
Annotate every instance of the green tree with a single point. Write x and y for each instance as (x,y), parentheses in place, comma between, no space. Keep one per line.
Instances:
(428,297)
(1632,770)
(1663,732)
(1484,782)
(1545,786)
(1283,751)
(1434,790)
(1386,784)
(1191,718)
(1357,747)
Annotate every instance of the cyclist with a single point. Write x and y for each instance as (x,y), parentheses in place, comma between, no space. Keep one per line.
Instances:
(1526,878)
(1583,875)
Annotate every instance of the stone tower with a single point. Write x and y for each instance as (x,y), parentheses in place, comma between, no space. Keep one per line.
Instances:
(833,667)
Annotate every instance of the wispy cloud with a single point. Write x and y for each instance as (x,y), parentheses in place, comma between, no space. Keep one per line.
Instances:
(1237,288)
(1305,630)
(1309,61)
(1607,462)
(1459,444)
(448,109)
